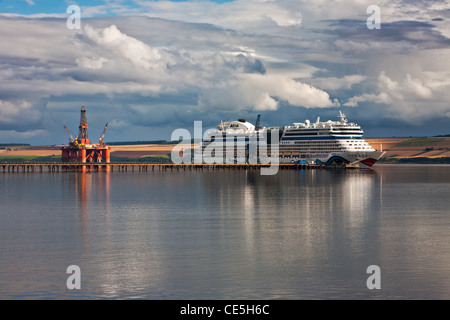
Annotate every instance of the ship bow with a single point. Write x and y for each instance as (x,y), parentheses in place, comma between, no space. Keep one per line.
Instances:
(370,161)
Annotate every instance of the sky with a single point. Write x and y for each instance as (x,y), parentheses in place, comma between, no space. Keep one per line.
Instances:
(151,67)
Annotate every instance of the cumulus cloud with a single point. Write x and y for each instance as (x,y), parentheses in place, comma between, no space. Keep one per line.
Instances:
(9,110)
(416,87)
(410,88)
(94,63)
(294,92)
(265,102)
(406,99)
(381,98)
(264,92)
(334,83)
(124,46)
(13,119)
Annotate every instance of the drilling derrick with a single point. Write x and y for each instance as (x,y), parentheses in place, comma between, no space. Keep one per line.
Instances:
(83,137)
(80,148)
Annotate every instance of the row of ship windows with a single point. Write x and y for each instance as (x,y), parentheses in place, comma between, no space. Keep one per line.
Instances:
(330,143)
(324,142)
(309,143)
(327,147)
(327,144)
(326,150)
(299,147)
(360,146)
(315,133)
(305,130)
(308,149)
(322,147)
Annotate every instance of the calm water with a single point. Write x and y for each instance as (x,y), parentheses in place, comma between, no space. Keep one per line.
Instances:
(227,235)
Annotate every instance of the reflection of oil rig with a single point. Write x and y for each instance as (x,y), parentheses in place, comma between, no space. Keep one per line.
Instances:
(80,148)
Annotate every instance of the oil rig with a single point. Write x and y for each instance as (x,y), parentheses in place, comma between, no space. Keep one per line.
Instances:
(80,149)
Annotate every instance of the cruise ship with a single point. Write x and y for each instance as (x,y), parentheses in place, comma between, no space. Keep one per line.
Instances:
(330,143)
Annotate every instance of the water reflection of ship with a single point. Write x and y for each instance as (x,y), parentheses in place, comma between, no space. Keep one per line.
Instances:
(309,208)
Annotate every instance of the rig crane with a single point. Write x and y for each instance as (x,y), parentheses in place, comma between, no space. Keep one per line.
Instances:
(103,134)
(71,139)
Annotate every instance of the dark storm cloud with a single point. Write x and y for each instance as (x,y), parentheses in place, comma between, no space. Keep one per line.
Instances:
(246,65)
(418,33)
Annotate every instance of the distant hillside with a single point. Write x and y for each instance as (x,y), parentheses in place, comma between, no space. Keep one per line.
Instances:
(413,150)
(8,145)
(430,150)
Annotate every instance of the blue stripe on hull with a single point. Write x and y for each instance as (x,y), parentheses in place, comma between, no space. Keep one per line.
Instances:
(335,159)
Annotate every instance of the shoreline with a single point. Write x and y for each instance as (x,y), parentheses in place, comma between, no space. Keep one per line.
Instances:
(412,150)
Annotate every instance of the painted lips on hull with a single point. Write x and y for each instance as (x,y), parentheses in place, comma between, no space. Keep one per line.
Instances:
(368,162)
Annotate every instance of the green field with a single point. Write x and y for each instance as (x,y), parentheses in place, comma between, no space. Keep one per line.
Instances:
(29,159)
(426,142)
(146,159)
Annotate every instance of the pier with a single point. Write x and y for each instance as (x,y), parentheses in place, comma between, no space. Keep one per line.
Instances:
(147,167)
